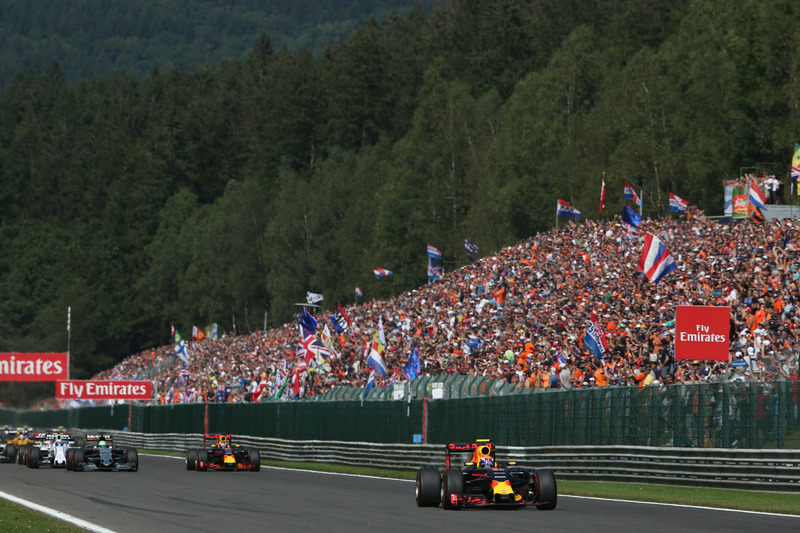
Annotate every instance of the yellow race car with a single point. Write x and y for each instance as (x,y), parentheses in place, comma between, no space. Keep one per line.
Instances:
(13,443)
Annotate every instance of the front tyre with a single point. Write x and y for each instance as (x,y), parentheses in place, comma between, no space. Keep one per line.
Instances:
(202,460)
(191,459)
(11,452)
(428,490)
(78,457)
(34,456)
(546,490)
(452,488)
(132,455)
(255,459)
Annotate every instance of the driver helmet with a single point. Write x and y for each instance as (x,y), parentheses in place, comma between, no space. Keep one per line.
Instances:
(102,444)
(223,442)
(486,461)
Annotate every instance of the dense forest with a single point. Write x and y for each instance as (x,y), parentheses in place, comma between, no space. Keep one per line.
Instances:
(93,38)
(219,194)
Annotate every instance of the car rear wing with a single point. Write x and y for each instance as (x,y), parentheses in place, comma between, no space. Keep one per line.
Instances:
(98,436)
(224,437)
(469,447)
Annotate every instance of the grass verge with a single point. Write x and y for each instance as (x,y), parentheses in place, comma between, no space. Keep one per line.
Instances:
(746,500)
(15,517)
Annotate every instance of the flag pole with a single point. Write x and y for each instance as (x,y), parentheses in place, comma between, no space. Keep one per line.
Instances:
(69,336)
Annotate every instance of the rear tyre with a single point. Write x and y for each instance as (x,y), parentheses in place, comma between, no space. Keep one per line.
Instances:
(191,459)
(453,484)
(11,452)
(21,454)
(255,459)
(428,490)
(35,455)
(132,455)
(546,490)
(202,460)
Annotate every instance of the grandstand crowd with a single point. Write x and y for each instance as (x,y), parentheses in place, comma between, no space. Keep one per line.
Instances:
(521,316)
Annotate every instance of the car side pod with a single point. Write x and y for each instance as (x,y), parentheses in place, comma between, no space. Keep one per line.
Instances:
(428,489)
(452,489)
(546,491)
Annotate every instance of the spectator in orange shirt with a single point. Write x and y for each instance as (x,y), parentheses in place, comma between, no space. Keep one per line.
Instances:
(601,375)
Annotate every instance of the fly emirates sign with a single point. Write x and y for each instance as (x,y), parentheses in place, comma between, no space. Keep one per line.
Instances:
(104,390)
(33,366)
(701,332)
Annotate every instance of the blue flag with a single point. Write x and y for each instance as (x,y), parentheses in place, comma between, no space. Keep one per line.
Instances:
(308,322)
(413,366)
(629,216)
(471,249)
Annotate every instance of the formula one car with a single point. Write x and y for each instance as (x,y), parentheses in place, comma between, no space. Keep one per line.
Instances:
(222,455)
(484,482)
(99,454)
(17,443)
(50,449)
(8,448)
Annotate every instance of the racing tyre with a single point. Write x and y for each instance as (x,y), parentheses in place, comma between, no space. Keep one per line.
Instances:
(11,452)
(132,455)
(80,442)
(70,453)
(428,490)
(255,459)
(21,454)
(202,460)
(34,455)
(546,492)
(191,459)
(78,457)
(453,484)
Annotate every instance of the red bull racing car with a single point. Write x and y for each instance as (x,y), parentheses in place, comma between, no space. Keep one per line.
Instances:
(484,482)
(222,455)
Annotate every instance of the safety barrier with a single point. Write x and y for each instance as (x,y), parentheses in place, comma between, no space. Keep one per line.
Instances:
(770,470)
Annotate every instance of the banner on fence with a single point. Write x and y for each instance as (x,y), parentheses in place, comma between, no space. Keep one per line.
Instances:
(701,332)
(33,366)
(104,390)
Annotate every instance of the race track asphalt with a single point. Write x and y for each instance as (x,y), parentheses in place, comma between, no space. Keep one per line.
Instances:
(164,497)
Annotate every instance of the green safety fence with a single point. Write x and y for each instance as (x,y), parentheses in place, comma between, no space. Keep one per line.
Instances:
(723,415)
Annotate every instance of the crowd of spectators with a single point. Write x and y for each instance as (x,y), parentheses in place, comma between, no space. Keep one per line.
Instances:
(520,315)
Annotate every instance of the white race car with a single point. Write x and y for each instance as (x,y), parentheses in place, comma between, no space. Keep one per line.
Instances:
(50,449)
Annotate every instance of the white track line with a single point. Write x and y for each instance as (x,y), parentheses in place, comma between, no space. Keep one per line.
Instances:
(56,514)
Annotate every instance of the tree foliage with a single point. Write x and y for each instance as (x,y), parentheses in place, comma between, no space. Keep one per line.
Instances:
(224,192)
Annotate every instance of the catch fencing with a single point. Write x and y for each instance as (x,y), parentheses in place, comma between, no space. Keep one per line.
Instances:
(738,415)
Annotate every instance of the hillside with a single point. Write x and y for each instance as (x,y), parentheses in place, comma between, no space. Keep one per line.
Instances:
(95,38)
(224,194)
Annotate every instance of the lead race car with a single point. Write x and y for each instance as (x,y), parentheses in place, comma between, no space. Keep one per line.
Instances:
(485,482)
(100,454)
(222,455)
